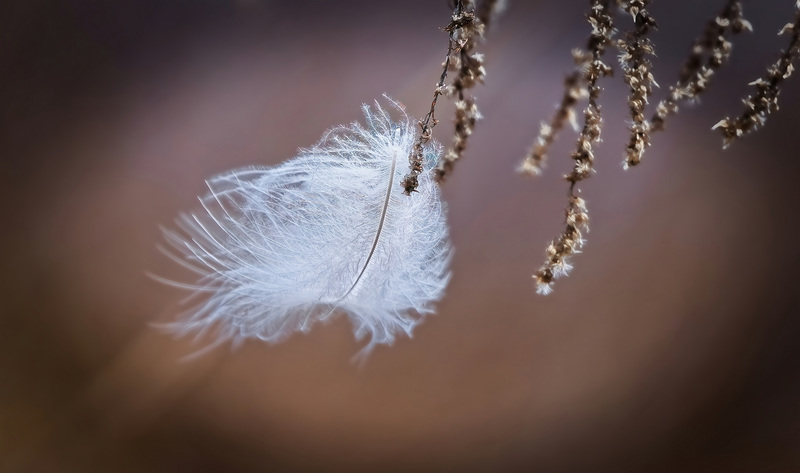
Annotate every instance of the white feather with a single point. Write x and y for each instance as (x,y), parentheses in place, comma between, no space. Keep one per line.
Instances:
(279,248)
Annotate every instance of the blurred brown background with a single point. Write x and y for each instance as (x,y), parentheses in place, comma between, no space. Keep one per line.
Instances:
(673,347)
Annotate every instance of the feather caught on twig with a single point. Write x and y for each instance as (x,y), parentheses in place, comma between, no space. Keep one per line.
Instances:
(280,248)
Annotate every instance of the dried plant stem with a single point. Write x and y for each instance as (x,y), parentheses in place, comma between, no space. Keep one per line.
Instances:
(698,69)
(470,71)
(765,100)
(636,47)
(577,218)
(567,244)
(459,19)
(467,114)
(574,90)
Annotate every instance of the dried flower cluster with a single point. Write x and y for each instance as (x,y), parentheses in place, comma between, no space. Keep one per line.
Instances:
(466,29)
(574,90)
(765,100)
(470,71)
(568,243)
(635,48)
(411,180)
(577,218)
(602,31)
(709,52)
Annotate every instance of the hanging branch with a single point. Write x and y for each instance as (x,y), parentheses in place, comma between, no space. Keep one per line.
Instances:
(709,53)
(636,47)
(574,90)
(471,71)
(696,73)
(459,19)
(765,99)
(577,218)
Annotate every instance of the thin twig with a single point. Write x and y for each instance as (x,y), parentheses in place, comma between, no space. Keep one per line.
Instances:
(636,47)
(459,19)
(698,70)
(765,99)
(470,71)
(574,90)
(571,239)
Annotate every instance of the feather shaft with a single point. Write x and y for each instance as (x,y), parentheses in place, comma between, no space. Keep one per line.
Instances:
(380,224)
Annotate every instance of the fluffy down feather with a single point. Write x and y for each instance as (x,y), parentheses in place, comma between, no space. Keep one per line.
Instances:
(280,248)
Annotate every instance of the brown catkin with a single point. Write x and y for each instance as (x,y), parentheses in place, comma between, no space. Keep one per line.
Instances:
(567,244)
(765,99)
(636,47)
(574,90)
(470,71)
(571,239)
(458,20)
(709,53)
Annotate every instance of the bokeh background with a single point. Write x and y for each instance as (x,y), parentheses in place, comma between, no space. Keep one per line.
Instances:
(673,347)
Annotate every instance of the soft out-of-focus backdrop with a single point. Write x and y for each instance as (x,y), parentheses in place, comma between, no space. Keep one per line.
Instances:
(673,347)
